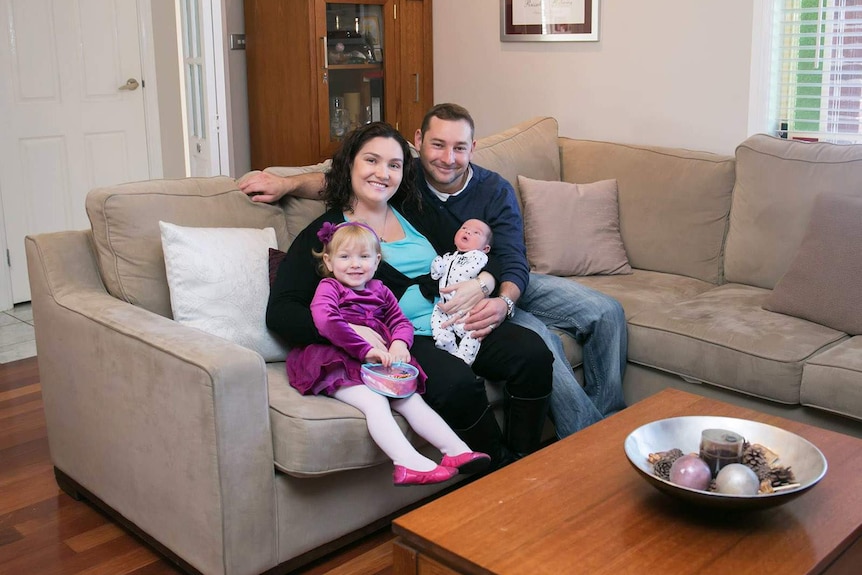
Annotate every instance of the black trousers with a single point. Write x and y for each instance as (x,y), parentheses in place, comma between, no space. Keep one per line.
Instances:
(511,354)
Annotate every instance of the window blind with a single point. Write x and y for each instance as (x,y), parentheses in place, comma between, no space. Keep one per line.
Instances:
(817,80)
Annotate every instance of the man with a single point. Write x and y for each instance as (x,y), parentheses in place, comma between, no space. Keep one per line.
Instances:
(451,184)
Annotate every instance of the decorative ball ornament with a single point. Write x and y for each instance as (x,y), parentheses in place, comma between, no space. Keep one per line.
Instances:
(737,479)
(691,471)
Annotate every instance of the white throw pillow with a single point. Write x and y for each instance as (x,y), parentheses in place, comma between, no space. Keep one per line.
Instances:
(219,283)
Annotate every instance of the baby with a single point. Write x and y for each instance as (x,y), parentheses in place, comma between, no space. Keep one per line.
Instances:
(473,241)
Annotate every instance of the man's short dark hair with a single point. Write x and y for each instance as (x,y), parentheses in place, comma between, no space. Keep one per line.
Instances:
(448,112)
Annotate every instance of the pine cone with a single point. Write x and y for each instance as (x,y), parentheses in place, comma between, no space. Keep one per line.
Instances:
(754,456)
(781,476)
(763,471)
(663,461)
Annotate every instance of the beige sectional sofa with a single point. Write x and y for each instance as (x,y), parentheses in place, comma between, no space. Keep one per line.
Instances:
(202,446)
(708,237)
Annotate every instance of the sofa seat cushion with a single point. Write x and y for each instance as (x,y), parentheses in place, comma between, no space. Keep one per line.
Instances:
(644,289)
(318,435)
(832,380)
(636,292)
(724,337)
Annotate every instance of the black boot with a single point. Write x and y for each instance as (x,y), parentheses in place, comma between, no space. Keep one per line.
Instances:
(525,420)
(485,436)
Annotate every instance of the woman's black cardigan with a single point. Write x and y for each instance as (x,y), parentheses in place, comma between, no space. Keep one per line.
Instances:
(288,312)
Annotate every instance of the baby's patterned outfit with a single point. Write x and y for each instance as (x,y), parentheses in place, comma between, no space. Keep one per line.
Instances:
(450,269)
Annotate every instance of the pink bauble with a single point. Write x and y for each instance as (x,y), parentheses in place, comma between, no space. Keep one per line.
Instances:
(691,471)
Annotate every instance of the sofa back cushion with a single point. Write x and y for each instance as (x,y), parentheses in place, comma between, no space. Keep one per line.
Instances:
(674,203)
(125,222)
(529,149)
(776,183)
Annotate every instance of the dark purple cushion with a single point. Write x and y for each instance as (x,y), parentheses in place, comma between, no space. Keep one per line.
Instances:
(275,257)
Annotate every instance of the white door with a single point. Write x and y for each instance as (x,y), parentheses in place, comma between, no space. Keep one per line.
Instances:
(72,108)
(200,23)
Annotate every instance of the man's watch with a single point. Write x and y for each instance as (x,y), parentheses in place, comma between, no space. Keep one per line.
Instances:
(510,306)
(484,287)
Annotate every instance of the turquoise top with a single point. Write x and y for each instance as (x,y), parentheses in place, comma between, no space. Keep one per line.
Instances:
(412,256)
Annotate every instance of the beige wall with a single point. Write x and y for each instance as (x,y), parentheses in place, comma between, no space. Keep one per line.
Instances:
(168,89)
(237,93)
(671,73)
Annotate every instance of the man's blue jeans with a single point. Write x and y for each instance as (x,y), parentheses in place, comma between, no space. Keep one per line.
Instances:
(598,323)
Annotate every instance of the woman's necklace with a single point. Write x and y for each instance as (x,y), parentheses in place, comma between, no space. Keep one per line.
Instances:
(382,231)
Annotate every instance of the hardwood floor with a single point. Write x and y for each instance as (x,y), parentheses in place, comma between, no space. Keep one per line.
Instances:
(44,531)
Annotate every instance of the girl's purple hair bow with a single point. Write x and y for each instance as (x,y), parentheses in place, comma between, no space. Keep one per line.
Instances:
(327,230)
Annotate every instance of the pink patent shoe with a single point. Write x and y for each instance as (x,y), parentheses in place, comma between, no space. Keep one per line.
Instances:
(404,476)
(468,462)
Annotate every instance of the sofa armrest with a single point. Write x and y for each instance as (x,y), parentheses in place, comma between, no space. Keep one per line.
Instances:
(166,424)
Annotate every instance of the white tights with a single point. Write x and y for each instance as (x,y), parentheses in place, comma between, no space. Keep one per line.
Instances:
(388,436)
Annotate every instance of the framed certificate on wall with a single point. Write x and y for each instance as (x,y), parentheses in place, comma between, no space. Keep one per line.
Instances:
(549,20)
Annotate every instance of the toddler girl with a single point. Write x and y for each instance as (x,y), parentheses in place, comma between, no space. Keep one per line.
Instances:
(349,295)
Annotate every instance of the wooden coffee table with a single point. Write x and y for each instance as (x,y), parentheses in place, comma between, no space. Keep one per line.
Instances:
(578,506)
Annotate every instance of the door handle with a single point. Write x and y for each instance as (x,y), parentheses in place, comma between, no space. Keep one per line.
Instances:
(130,85)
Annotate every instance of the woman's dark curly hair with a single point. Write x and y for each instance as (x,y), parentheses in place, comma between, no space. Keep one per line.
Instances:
(338,191)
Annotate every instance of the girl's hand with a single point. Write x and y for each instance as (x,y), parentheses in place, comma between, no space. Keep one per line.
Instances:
(377,356)
(369,335)
(399,352)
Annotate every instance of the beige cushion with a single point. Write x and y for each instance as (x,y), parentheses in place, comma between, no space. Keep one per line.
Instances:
(299,212)
(219,283)
(776,183)
(573,229)
(125,221)
(724,337)
(529,149)
(832,380)
(673,202)
(315,435)
(822,284)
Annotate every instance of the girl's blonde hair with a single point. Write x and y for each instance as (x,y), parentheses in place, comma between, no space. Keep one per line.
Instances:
(334,237)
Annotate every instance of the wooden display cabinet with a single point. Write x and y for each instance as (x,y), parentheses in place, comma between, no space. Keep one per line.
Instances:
(318,68)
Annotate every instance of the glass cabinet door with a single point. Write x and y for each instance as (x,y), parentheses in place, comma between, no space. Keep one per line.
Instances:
(353,69)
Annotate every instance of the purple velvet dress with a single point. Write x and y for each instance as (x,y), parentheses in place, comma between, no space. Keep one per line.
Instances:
(323,368)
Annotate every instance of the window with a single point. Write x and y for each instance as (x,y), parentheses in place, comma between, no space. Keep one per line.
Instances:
(816,86)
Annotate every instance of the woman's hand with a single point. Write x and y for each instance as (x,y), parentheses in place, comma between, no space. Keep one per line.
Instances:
(469,294)
(369,335)
(399,352)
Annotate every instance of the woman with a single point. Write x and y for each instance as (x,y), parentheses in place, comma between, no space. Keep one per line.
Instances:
(371,181)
